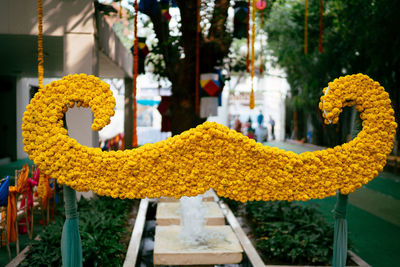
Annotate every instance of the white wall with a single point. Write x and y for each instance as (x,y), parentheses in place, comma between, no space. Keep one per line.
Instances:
(23,87)
(275,89)
(223,110)
(59,17)
(79,120)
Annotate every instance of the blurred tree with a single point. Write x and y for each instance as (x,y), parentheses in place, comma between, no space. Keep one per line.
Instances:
(174,57)
(359,36)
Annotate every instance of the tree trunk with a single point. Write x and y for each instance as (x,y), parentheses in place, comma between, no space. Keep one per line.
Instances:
(181,71)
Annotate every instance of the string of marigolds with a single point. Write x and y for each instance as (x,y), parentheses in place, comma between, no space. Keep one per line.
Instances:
(135,74)
(40,44)
(253,39)
(210,155)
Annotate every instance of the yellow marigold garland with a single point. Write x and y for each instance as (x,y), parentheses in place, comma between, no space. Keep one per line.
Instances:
(210,155)
(44,190)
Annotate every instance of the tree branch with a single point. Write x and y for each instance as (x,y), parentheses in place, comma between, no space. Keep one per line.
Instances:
(188,11)
(218,41)
(171,56)
(218,21)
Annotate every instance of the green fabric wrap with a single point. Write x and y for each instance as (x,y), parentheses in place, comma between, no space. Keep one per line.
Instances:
(340,233)
(71,246)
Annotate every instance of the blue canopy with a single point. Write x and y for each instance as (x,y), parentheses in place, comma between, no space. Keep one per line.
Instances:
(148,102)
(4,192)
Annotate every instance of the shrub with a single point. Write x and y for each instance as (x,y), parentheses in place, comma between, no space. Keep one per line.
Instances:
(290,233)
(101,226)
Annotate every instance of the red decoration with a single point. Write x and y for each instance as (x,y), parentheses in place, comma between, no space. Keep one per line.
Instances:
(261,4)
(212,88)
(164,109)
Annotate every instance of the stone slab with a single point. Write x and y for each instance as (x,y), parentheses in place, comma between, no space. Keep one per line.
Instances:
(169,250)
(207,197)
(168,213)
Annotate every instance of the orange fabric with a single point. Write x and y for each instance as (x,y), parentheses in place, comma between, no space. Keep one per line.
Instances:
(12,205)
(3,238)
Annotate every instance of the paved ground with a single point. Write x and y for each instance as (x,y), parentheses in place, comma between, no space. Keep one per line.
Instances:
(373,214)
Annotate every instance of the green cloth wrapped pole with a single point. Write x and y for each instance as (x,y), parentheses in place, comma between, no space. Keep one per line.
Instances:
(340,234)
(71,246)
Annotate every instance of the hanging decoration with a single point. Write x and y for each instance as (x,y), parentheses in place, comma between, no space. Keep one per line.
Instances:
(120,10)
(164,4)
(166,115)
(148,7)
(40,44)
(241,10)
(208,107)
(321,27)
(261,4)
(253,39)
(135,74)
(211,86)
(306,27)
(173,3)
(143,51)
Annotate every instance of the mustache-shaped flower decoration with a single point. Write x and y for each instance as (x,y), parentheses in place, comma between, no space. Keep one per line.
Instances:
(210,155)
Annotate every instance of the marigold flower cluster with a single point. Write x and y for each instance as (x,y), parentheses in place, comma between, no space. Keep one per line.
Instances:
(210,155)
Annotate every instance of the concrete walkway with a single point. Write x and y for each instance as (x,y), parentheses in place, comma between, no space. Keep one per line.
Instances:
(373,214)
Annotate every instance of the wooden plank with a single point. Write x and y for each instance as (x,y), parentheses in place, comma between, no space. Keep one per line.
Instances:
(21,256)
(248,247)
(134,243)
(360,262)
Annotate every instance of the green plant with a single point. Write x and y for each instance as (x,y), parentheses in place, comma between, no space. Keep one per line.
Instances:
(290,233)
(101,226)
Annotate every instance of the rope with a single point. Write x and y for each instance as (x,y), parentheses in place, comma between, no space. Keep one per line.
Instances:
(120,10)
(261,68)
(321,31)
(40,44)
(248,37)
(306,28)
(197,74)
(135,75)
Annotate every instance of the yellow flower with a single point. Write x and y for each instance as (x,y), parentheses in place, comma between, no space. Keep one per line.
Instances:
(209,155)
